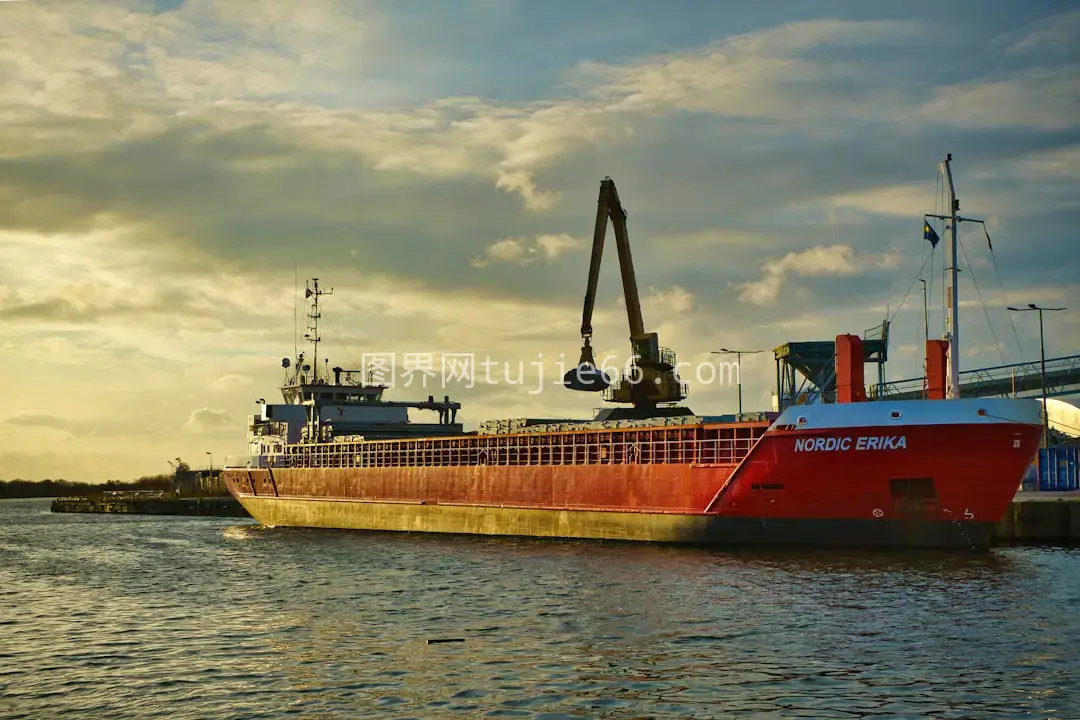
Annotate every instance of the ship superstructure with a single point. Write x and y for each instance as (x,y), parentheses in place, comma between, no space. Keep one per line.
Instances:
(338,404)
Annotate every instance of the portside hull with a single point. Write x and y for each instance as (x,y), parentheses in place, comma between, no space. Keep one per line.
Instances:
(913,474)
(619,526)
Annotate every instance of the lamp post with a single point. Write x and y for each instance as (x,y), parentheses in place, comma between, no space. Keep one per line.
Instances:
(211,463)
(1042,360)
(738,361)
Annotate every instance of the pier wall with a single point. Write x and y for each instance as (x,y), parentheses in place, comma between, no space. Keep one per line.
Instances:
(1041,517)
(132,505)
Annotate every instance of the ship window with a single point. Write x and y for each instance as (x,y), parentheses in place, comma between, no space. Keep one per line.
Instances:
(912,488)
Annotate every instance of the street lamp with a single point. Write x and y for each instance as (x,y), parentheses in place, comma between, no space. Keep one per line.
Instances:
(1042,356)
(211,462)
(738,361)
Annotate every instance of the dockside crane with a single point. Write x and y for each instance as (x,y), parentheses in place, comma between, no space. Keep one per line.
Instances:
(651,379)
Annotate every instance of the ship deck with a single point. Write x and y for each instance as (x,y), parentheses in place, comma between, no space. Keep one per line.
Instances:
(704,443)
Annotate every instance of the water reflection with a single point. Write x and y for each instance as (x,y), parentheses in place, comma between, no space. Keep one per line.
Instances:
(210,617)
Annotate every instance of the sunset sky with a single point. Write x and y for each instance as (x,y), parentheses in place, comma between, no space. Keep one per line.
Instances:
(168,169)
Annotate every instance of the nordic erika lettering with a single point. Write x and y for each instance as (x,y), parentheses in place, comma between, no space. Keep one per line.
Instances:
(841,444)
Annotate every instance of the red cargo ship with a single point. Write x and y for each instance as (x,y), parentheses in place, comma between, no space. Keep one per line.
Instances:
(938,472)
(935,473)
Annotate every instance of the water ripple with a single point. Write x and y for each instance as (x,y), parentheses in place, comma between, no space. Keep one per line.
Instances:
(129,617)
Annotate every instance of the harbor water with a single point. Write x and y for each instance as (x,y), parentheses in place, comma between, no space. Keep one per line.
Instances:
(126,616)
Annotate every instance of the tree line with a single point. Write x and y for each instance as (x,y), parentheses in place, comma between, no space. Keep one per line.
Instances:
(58,488)
(182,474)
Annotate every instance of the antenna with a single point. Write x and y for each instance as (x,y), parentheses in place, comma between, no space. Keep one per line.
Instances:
(295,307)
(312,291)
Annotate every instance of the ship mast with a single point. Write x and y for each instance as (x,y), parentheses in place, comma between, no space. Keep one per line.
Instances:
(952,301)
(953,358)
(312,291)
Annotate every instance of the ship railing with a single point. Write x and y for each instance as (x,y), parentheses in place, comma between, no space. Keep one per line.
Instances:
(253,462)
(506,452)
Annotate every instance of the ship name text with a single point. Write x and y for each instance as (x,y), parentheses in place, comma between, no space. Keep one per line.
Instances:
(864,442)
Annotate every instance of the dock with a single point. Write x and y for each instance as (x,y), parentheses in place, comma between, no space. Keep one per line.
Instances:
(1041,517)
(151,504)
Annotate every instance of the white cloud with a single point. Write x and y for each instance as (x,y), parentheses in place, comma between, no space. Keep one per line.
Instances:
(757,74)
(822,260)
(1048,165)
(290,55)
(1051,35)
(1043,99)
(520,251)
(916,199)
(207,420)
(553,246)
(522,184)
(505,250)
(231,382)
(675,299)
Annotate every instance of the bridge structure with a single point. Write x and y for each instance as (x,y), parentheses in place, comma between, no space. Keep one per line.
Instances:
(1019,379)
(806,374)
(806,371)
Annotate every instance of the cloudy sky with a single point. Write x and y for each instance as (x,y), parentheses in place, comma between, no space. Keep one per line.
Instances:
(169,168)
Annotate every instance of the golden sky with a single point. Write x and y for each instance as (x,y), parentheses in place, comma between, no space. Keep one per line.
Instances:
(168,170)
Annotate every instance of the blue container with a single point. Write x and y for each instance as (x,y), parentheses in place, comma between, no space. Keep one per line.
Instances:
(1031,477)
(1072,472)
(1059,468)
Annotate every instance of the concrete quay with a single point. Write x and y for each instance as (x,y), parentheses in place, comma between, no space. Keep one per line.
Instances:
(156,504)
(1045,517)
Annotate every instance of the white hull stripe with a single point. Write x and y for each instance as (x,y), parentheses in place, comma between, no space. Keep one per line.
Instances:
(902,413)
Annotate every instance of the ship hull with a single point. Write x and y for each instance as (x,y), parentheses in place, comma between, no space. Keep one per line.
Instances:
(686,529)
(917,474)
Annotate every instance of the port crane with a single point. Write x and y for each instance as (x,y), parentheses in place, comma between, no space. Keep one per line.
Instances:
(651,378)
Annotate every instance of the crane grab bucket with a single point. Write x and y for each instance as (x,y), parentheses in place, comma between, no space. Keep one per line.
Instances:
(587,378)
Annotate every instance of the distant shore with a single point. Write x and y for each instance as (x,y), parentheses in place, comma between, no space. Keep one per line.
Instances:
(11,489)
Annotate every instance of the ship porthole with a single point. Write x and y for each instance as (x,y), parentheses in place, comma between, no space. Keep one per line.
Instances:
(801,420)
(895,414)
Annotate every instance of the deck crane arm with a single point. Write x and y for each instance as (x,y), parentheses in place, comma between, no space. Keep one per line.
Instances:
(609,206)
(659,385)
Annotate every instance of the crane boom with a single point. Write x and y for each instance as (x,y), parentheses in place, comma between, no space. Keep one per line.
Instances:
(609,206)
(656,381)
